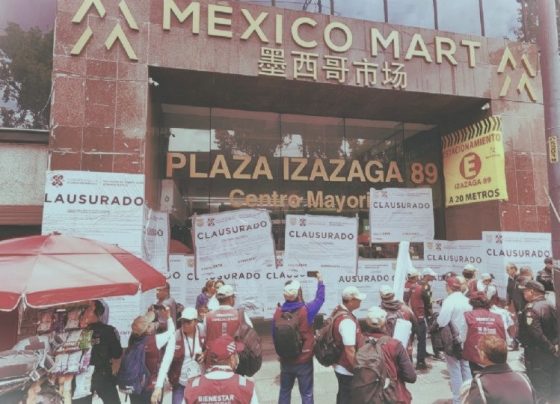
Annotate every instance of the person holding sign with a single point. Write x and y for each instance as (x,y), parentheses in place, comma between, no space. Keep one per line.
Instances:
(292,333)
(401,323)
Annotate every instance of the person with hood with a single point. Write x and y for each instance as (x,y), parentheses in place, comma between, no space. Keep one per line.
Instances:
(299,367)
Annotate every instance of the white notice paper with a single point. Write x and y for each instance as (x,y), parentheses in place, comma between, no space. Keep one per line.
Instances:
(229,242)
(325,243)
(401,214)
(444,256)
(520,248)
(107,207)
(155,244)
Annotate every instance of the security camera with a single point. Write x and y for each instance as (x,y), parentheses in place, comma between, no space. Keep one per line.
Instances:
(152,82)
(485,106)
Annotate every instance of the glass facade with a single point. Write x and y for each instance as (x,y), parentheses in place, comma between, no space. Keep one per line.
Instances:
(296,164)
(503,19)
(500,18)
(459,16)
(414,13)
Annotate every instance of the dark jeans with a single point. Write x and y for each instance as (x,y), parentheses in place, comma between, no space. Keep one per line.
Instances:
(421,347)
(344,388)
(304,374)
(106,388)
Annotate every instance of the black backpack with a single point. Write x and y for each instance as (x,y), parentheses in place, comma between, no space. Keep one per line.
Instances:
(287,338)
(326,350)
(371,382)
(250,359)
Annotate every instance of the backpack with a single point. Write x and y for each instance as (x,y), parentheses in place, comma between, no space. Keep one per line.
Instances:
(391,321)
(287,338)
(250,359)
(326,350)
(133,374)
(372,382)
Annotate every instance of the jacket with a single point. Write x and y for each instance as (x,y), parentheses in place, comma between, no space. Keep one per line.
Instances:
(538,332)
(498,384)
(305,331)
(400,366)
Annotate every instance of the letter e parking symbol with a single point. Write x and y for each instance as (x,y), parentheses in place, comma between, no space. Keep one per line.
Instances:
(470,166)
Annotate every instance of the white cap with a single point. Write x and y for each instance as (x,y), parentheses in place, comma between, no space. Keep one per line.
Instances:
(413,272)
(189,313)
(386,290)
(376,316)
(486,276)
(225,291)
(428,272)
(291,290)
(352,292)
(469,267)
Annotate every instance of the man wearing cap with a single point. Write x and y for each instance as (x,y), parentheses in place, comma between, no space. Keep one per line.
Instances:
(144,332)
(539,335)
(453,311)
(187,356)
(411,281)
(395,310)
(544,276)
(347,334)
(164,299)
(421,305)
(484,284)
(300,367)
(400,367)
(106,347)
(220,384)
(469,273)
(225,319)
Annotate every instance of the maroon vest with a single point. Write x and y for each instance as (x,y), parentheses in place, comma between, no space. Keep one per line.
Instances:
(153,360)
(235,390)
(174,372)
(480,322)
(221,322)
(306,333)
(344,361)
(416,302)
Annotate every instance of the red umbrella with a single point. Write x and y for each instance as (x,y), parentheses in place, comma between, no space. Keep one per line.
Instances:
(55,269)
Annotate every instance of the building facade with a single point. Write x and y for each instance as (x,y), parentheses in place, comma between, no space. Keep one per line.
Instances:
(230,104)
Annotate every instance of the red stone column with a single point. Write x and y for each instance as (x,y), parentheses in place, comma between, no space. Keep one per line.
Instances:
(99,116)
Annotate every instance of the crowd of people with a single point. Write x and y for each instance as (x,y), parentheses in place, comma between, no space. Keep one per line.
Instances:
(200,350)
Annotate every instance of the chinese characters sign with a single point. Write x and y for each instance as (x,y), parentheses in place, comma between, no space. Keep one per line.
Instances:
(473,163)
(308,66)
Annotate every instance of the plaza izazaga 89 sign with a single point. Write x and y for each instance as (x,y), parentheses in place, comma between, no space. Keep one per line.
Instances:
(473,163)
